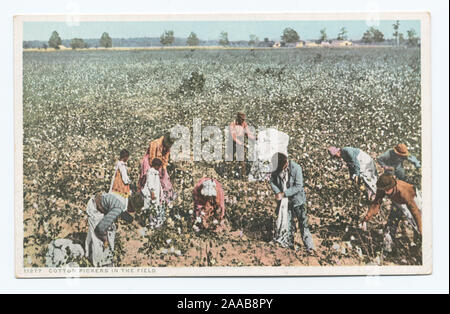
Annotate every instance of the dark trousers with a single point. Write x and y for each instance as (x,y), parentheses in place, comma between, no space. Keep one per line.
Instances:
(301,213)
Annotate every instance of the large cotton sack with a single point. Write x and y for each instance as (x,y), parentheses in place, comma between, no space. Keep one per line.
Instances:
(63,252)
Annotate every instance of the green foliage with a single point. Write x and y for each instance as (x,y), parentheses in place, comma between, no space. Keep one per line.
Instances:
(396,33)
(373,35)
(223,39)
(323,35)
(192,39)
(78,43)
(253,41)
(54,41)
(105,41)
(342,34)
(193,84)
(413,39)
(290,36)
(167,38)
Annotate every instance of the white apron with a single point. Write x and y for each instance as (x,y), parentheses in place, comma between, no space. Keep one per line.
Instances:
(95,252)
(404,209)
(368,170)
(284,233)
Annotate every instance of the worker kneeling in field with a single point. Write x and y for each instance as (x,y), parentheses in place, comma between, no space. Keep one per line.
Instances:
(103,211)
(406,202)
(209,204)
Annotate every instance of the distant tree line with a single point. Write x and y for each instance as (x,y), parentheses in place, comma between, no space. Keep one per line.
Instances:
(167,38)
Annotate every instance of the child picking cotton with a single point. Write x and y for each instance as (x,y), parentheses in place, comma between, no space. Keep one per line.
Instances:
(152,192)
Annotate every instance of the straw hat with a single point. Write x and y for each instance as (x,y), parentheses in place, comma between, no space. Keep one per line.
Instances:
(386,182)
(401,150)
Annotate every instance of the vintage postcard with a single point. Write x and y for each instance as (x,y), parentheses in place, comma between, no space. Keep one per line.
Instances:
(282,144)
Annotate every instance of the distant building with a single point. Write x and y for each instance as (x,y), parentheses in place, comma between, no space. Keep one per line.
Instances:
(341,43)
(291,45)
(268,43)
(325,44)
(277,45)
(311,44)
(300,44)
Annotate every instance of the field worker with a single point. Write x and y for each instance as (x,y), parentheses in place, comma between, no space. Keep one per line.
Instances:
(360,166)
(239,129)
(406,203)
(120,183)
(159,148)
(152,193)
(287,183)
(103,210)
(392,161)
(209,203)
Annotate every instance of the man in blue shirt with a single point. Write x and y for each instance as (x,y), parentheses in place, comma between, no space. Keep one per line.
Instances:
(287,183)
(392,161)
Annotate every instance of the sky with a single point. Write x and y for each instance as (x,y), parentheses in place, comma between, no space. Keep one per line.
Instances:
(210,30)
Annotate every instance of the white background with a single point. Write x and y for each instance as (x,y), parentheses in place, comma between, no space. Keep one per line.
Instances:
(438,282)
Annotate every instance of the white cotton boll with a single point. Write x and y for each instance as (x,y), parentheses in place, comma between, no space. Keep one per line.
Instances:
(191,212)
(168,241)
(378,260)
(359,251)
(198,219)
(215,222)
(196,229)
(349,245)
(336,246)
(142,232)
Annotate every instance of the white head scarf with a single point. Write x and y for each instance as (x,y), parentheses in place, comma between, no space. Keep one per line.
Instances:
(209,188)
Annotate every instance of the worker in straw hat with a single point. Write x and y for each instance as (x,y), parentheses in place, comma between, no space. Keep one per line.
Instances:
(392,160)
(406,203)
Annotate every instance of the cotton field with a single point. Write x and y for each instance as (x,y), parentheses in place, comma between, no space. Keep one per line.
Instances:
(80,108)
